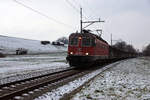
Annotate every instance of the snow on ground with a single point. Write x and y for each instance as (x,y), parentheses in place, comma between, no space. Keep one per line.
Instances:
(124,80)
(9,45)
(129,80)
(14,68)
(56,94)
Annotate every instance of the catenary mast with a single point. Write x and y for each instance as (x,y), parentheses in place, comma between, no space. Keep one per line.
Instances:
(89,22)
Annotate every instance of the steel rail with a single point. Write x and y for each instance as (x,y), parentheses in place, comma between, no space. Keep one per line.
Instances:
(9,92)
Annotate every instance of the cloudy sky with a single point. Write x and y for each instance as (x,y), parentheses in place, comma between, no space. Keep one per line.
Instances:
(128,20)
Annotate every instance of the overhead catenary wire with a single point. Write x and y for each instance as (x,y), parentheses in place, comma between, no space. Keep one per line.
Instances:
(77,3)
(85,11)
(42,14)
(80,6)
(91,9)
(77,9)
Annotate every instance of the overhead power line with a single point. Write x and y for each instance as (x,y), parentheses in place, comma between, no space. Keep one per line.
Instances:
(42,14)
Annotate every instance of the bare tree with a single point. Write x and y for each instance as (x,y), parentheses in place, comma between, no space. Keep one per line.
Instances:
(63,39)
(120,45)
(146,51)
(124,46)
(130,48)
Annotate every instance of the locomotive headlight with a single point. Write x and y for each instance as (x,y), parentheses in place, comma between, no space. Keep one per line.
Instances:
(87,53)
(71,53)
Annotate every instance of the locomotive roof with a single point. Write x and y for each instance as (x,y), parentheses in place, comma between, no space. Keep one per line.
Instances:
(86,34)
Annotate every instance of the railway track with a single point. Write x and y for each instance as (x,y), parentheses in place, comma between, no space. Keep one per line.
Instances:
(31,88)
(23,89)
(34,77)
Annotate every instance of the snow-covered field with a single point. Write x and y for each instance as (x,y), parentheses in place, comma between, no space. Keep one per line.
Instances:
(19,67)
(129,80)
(9,45)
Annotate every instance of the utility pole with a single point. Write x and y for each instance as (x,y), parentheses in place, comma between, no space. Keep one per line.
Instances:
(90,22)
(81,20)
(111,39)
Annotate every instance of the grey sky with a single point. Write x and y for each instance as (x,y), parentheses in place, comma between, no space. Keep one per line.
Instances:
(128,20)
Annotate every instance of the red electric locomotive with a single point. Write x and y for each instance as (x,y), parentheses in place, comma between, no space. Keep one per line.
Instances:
(86,48)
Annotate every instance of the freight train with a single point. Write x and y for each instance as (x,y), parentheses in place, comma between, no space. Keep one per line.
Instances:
(86,49)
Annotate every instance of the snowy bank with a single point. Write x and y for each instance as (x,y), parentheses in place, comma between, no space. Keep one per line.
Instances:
(129,80)
(13,68)
(9,45)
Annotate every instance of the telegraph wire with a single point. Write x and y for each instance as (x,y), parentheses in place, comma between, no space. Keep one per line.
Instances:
(42,14)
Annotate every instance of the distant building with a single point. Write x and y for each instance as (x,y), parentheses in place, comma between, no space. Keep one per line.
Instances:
(45,42)
(21,51)
(57,43)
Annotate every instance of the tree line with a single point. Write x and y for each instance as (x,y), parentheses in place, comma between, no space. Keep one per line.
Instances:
(146,50)
(125,47)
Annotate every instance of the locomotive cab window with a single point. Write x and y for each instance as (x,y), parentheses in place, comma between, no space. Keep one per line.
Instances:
(86,41)
(93,42)
(73,41)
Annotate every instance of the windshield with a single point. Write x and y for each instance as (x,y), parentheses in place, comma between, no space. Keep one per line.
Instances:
(73,41)
(88,42)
